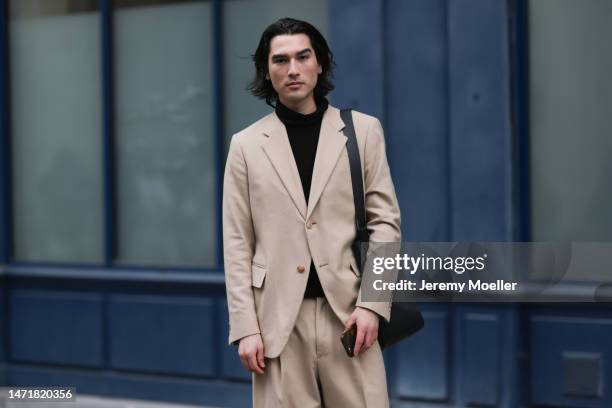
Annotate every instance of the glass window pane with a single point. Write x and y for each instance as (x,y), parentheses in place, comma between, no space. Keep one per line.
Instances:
(571,126)
(165,143)
(56,130)
(243,23)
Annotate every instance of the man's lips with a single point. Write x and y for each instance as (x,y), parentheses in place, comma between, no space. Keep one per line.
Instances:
(294,85)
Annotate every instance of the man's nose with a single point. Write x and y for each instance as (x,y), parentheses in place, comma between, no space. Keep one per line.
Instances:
(293,71)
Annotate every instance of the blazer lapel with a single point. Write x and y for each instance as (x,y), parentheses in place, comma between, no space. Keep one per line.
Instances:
(331,143)
(278,150)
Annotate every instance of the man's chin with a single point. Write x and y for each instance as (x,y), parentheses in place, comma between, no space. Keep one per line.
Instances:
(296,97)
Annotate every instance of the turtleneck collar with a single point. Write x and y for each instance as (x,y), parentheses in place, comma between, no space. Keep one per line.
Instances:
(291,117)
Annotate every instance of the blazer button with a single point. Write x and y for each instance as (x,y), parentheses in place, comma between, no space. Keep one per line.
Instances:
(301,268)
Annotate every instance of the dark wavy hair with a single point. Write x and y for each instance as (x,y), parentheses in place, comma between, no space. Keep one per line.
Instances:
(262,88)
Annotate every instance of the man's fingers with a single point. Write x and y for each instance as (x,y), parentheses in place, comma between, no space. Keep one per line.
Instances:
(359,341)
(251,352)
(370,339)
(250,362)
(260,357)
(253,365)
(349,322)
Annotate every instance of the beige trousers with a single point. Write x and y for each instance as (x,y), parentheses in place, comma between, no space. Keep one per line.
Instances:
(313,369)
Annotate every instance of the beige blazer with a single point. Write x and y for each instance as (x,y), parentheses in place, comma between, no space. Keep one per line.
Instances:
(270,235)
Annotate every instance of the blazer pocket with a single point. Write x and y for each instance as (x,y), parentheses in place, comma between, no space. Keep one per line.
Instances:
(258,275)
(354,268)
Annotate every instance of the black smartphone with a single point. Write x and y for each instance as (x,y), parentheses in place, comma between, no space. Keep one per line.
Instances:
(348,339)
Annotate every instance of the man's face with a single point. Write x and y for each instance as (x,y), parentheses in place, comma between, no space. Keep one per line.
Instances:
(293,68)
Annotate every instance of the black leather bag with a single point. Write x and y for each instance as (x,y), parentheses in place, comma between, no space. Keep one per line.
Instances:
(406,319)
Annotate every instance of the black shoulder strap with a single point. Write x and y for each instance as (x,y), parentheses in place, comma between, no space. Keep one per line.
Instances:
(356,178)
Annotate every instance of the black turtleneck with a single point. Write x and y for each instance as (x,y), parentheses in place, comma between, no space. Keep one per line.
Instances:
(303,132)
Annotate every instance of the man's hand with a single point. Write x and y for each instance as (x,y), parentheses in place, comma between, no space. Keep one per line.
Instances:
(251,352)
(367,328)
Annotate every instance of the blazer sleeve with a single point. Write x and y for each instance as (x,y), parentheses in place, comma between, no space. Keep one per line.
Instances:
(238,245)
(382,208)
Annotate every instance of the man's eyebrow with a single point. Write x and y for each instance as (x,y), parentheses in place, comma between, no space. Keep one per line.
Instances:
(302,52)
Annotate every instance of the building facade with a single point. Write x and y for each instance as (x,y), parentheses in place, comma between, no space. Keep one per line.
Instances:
(115,118)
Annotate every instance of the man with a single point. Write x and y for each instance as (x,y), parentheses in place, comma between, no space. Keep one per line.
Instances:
(293,285)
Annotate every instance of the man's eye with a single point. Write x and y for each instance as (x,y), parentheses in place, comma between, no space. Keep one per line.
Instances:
(303,57)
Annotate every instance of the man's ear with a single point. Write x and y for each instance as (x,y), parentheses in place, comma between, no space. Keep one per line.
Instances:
(267,76)
(320,70)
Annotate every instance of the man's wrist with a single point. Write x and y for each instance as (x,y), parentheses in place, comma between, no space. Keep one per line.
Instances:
(237,342)
(372,311)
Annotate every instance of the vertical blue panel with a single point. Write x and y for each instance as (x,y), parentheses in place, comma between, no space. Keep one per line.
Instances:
(3,324)
(482,363)
(219,132)
(520,101)
(422,360)
(555,337)
(356,38)
(162,334)
(481,193)
(486,356)
(55,327)
(513,350)
(416,108)
(108,95)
